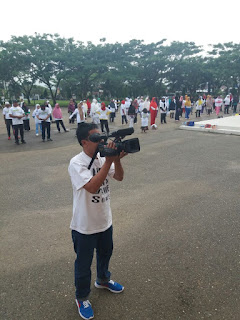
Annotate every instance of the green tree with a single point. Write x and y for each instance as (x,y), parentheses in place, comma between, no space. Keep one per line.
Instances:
(51,59)
(224,61)
(18,59)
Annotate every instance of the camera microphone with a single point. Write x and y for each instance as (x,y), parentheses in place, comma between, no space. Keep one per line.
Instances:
(122,132)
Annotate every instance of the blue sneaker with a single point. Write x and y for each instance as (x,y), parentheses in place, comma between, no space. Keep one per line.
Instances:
(111,286)
(85,309)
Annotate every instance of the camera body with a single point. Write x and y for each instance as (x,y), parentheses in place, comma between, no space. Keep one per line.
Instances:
(128,146)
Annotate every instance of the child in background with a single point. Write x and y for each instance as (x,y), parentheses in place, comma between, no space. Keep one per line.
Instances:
(37,121)
(144,120)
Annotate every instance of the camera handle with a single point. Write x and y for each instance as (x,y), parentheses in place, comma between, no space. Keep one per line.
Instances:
(93,158)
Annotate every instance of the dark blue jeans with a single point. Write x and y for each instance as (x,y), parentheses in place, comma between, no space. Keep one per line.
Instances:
(84,245)
(187,112)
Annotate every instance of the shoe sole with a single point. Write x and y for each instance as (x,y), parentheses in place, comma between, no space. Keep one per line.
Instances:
(103,287)
(80,312)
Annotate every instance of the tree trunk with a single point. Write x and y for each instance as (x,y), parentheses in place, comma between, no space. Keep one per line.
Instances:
(51,92)
(28,98)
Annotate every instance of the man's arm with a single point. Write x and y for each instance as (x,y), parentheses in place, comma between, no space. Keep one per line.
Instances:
(95,183)
(47,117)
(74,112)
(18,117)
(119,173)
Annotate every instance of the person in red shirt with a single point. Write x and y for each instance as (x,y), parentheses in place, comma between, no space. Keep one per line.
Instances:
(153,112)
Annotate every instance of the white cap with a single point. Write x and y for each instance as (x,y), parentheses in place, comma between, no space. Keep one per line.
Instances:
(6,102)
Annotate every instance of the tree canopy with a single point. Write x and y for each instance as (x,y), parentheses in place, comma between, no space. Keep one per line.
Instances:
(68,67)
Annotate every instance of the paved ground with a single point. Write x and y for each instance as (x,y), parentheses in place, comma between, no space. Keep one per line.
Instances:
(176,229)
(226,125)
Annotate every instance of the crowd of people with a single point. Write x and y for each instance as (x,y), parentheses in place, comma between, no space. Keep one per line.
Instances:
(17,114)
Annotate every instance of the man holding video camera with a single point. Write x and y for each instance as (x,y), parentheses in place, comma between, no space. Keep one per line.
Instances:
(92,217)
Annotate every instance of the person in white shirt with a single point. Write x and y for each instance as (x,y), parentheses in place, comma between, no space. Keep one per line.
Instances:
(44,117)
(127,104)
(147,104)
(141,105)
(103,116)
(94,112)
(163,110)
(218,104)
(17,115)
(112,108)
(91,222)
(85,108)
(7,118)
(227,102)
(199,105)
(123,112)
(47,104)
(79,113)
(144,120)
(37,121)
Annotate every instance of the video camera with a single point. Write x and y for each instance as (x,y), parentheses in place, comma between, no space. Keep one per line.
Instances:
(128,146)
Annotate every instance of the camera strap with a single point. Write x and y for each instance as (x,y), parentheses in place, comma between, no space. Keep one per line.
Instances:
(93,158)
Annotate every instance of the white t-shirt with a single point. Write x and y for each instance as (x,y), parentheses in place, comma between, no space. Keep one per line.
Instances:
(141,105)
(163,107)
(94,109)
(50,107)
(42,114)
(123,110)
(227,101)
(91,212)
(144,119)
(16,111)
(218,102)
(6,113)
(76,112)
(199,104)
(127,105)
(104,114)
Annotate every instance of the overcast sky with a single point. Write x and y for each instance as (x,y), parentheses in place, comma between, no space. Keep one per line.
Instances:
(203,22)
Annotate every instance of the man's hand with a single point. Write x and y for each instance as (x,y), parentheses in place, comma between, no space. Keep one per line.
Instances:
(122,154)
(119,173)
(111,145)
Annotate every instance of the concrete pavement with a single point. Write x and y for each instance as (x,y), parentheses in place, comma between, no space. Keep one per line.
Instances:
(176,228)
